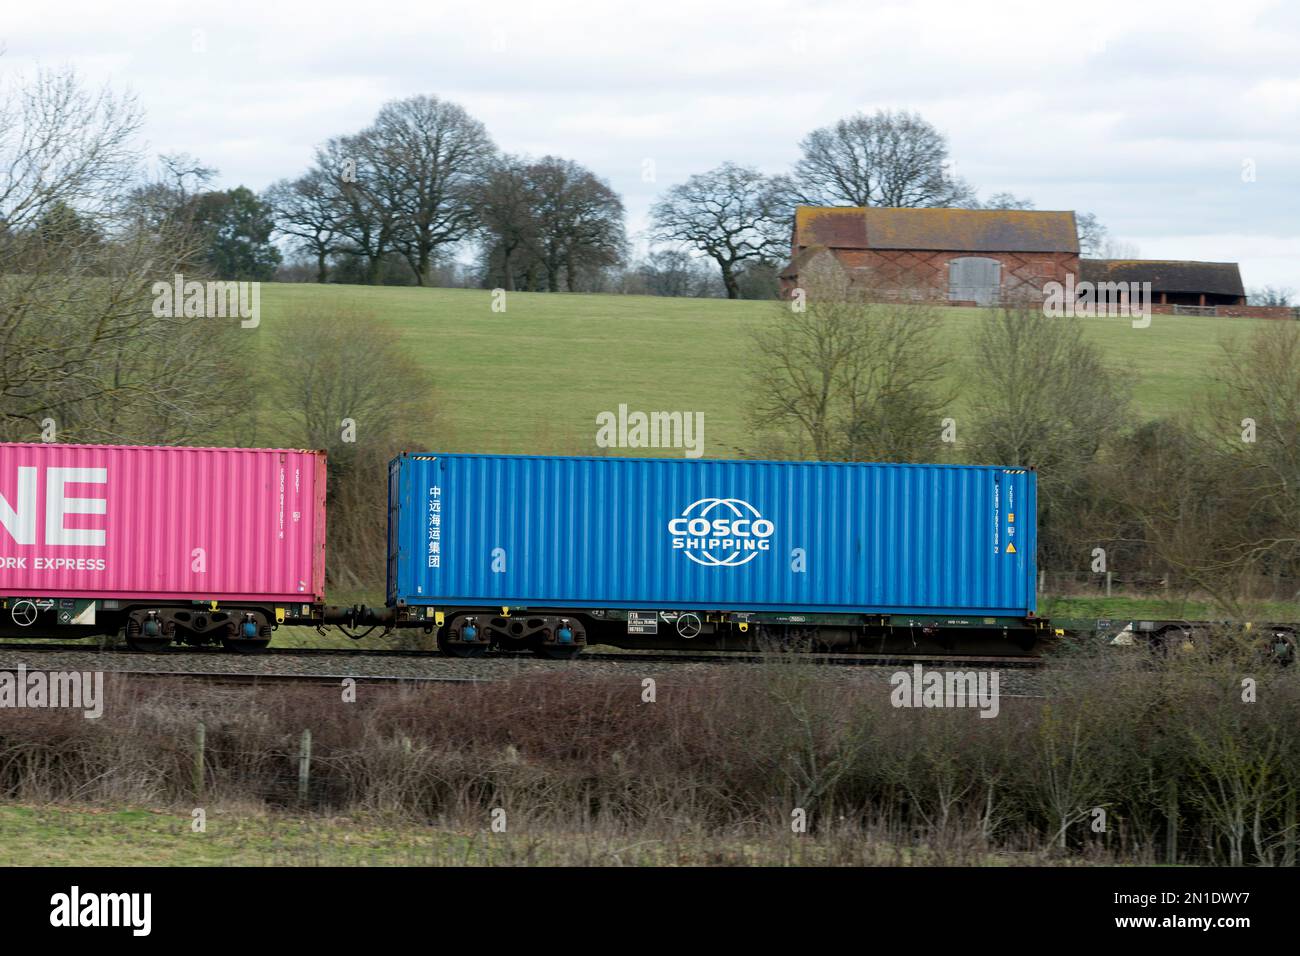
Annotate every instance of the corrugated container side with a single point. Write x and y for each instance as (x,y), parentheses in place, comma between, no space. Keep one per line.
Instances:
(644,533)
(156,523)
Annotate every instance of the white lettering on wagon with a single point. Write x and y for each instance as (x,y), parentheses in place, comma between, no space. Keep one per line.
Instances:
(435,527)
(53,564)
(19,516)
(721,532)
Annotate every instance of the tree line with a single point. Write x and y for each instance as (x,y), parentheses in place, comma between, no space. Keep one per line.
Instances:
(395,202)
(404,200)
(398,200)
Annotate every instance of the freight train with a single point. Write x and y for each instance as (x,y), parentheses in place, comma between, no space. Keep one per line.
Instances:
(549,554)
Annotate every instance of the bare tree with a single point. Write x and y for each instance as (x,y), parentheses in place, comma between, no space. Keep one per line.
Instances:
(404,186)
(431,156)
(1092,234)
(732,214)
(505,213)
(1256,424)
(1096,242)
(1004,201)
(355,391)
(1276,296)
(548,219)
(1040,395)
(1177,503)
(167,197)
(308,209)
(1210,501)
(578,220)
(85,352)
(885,159)
(63,143)
(367,196)
(850,379)
(675,272)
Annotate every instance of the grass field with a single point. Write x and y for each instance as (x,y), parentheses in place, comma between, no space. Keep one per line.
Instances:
(1151,608)
(54,835)
(533,378)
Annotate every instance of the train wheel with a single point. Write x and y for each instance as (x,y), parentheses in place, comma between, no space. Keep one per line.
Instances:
(137,640)
(454,648)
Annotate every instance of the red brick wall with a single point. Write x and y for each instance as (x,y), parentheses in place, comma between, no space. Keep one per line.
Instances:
(1022,272)
(927,272)
(1236,311)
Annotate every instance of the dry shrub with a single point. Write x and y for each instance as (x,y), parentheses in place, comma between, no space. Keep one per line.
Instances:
(354,390)
(1182,767)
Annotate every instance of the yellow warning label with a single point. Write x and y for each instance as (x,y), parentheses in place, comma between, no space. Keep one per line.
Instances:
(1011,548)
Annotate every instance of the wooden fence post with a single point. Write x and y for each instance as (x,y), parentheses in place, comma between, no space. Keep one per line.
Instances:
(1171,823)
(304,766)
(200,741)
(1288,854)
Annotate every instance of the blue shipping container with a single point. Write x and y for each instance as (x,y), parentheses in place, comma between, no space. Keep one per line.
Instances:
(657,533)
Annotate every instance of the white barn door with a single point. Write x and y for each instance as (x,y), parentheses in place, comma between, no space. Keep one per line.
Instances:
(975,278)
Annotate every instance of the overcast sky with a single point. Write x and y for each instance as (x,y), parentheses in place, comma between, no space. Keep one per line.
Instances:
(1143,112)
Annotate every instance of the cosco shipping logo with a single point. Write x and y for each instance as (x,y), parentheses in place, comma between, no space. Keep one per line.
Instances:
(721,532)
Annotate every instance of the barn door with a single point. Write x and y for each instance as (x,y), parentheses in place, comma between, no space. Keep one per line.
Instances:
(975,278)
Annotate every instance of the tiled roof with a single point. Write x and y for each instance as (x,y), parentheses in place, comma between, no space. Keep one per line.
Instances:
(1167,275)
(964,230)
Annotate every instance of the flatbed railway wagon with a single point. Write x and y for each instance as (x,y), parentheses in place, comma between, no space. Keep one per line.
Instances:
(553,554)
(184,545)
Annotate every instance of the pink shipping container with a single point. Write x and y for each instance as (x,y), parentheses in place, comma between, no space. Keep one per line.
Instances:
(154,524)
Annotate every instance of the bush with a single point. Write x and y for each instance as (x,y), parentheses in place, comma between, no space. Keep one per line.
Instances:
(1181,767)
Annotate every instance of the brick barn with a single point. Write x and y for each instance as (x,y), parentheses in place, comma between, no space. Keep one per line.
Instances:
(1173,282)
(961,256)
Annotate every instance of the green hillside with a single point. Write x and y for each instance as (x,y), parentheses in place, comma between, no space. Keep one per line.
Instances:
(532,379)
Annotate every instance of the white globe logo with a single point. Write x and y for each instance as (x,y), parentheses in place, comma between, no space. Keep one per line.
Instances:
(740,520)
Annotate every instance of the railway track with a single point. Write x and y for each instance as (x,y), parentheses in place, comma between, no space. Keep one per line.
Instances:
(322,680)
(627,657)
